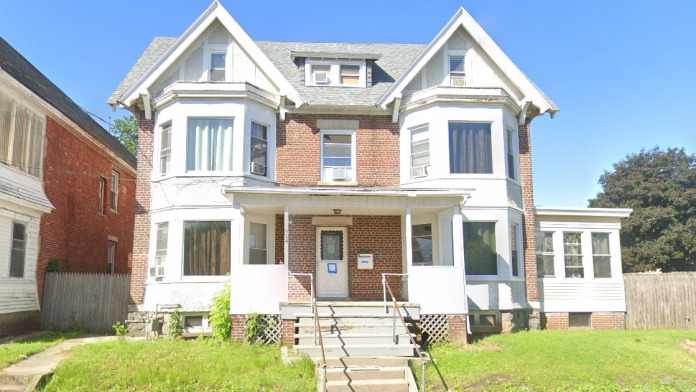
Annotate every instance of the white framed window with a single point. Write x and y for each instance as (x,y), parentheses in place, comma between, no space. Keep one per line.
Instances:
(470,148)
(350,75)
(572,255)
(196,323)
(259,149)
(339,73)
(337,156)
(258,248)
(165,148)
(21,136)
(161,245)
(545,254)
(19,250)
(217,66)
(479,248)
(111,248)
(511,153)
(207,248)
(515,253)
(601,255)
(102,195)
(321,74)
(113,197)
(420,151)
(457,69)
(209,144)
(422,244)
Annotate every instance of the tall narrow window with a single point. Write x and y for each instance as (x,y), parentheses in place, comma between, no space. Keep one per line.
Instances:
(165,148)
(350,75)
(206,248)
(337,157)
(21,136)
(480,253)
(601,256)
(510,149)
(514,250)
(258,251)
(209,144)
(470,147)
(111,256)
(113,197)
(102,195)
(572,247)
(259,149)
(420,151)
(456,71)
(544,254)
(160,250)
(18,252)
(217,66)
(422,243)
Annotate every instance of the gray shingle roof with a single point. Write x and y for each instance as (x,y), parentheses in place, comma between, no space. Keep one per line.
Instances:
(30,77)
(393,61)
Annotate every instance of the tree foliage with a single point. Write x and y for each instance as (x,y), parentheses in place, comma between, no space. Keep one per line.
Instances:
(660,186)
(219,316)
(126,131)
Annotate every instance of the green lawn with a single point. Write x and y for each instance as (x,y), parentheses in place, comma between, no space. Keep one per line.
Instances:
(569,361)
(179,365)
(13,352)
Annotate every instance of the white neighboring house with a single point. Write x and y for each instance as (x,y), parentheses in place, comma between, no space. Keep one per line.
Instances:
(300,171)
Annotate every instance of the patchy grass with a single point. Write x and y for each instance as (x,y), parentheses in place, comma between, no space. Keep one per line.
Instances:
(568,361)
(180,365)
(15,351)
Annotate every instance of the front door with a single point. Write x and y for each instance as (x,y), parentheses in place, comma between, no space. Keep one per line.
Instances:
(332,263)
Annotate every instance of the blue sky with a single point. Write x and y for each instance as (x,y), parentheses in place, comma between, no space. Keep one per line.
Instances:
(622,72)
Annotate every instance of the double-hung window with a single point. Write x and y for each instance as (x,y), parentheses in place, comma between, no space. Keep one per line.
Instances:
(572,248)
(422,244)
(457,72)
(209,144)
(217,67)
(206,248)
(165,148)
(420,151)
(102,195)
(111,256)
(19,250)
(601,256)
(515,249)
(337,162)
(544,254)
(350,75)
(510,152)
(259,149)
(21,136)
(470,148)
(480,253)
(258,250)
(113,197)
(161,244)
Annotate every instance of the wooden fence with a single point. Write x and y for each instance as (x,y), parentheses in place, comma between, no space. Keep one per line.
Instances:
(661,300)
(89,302)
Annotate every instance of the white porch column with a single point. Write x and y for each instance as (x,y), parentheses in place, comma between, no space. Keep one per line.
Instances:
(409,239)
(458,238)
(286,236)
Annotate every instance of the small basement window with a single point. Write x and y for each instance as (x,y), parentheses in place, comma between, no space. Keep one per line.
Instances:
(193,322)
(579,320)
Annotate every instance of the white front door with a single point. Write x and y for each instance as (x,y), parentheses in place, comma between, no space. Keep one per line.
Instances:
(332,263)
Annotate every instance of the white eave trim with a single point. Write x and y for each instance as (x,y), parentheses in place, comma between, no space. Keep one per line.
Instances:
(218,90)
(349,192)
(584,212)
(213,12)
(463,19)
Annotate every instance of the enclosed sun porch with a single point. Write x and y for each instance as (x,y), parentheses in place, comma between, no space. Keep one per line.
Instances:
(330,244)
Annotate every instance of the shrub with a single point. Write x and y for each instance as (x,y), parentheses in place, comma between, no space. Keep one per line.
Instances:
(219,317)
(254,327)
(175,325)
(120,329)
(53,265)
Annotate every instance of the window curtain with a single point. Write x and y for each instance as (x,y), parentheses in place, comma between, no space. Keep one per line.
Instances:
(470,148)
(206,248)
(209,145)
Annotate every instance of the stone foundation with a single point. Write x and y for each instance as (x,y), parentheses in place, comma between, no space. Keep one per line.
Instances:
(19,323)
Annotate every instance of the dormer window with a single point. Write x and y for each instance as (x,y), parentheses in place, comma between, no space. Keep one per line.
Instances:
(217,67)
(335,72)
(456,70)
(321,74)
(350,75)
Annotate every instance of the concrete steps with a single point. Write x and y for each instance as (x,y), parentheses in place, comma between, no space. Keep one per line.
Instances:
(381,374)
(354,338)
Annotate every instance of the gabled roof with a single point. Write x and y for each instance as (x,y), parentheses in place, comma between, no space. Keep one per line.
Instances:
(21,70)
(463,19)
(214,12)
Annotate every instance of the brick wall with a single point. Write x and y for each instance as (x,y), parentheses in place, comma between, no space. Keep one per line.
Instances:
(526,181)
(142,210)
(302,256)
(554,320)
(287,333)
(75,232)
(298,150)
(598,320)
(238,327)
(456,328)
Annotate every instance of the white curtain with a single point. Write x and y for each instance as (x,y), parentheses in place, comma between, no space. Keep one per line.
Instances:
(209,144)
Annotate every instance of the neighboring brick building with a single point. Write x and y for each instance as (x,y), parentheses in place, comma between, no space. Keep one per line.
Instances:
(67,191)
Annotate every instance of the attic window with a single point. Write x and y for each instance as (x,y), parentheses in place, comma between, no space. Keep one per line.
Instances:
(350,75)
(217,67)
(321,74)
(456,70)
(335,72)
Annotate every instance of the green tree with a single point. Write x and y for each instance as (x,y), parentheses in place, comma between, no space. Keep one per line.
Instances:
(660,186)
(126,131)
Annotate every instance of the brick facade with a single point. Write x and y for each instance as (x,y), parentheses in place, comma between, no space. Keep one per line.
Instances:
(456,328)
(598,320)
(377,155)
(75,233)
(238,327)
(287,333)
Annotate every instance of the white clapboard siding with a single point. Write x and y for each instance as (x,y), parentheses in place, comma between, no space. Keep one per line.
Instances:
(18,294)
(582,295)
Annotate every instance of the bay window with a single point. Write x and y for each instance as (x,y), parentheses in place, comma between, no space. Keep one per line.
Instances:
(337,163)
(601,256)
(259,149)
(572,250)
(420,151)
(165,148)
(544,254)
(21,136)
(515,250)
(209,144)
(422,244)
(470,148)
(206,248)
(510,153)
(480,255)
(161,245)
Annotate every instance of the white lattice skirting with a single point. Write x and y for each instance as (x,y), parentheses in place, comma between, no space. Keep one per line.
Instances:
(434,327)
(269,330)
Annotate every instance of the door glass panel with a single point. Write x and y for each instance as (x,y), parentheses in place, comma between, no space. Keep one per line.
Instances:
(332,245)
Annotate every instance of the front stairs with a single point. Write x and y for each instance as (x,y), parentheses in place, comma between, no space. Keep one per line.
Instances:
(366,348)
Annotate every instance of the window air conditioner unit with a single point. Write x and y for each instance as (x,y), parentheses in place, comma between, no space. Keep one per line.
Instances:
(157,271)
(258,169)
(457,81)
(339,174)
(321,77)
(420,171)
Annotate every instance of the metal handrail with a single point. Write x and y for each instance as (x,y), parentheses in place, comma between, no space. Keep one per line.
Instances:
(384,287)
(318,338)
(423,358)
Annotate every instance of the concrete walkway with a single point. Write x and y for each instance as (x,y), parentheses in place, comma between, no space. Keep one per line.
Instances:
(25,375)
